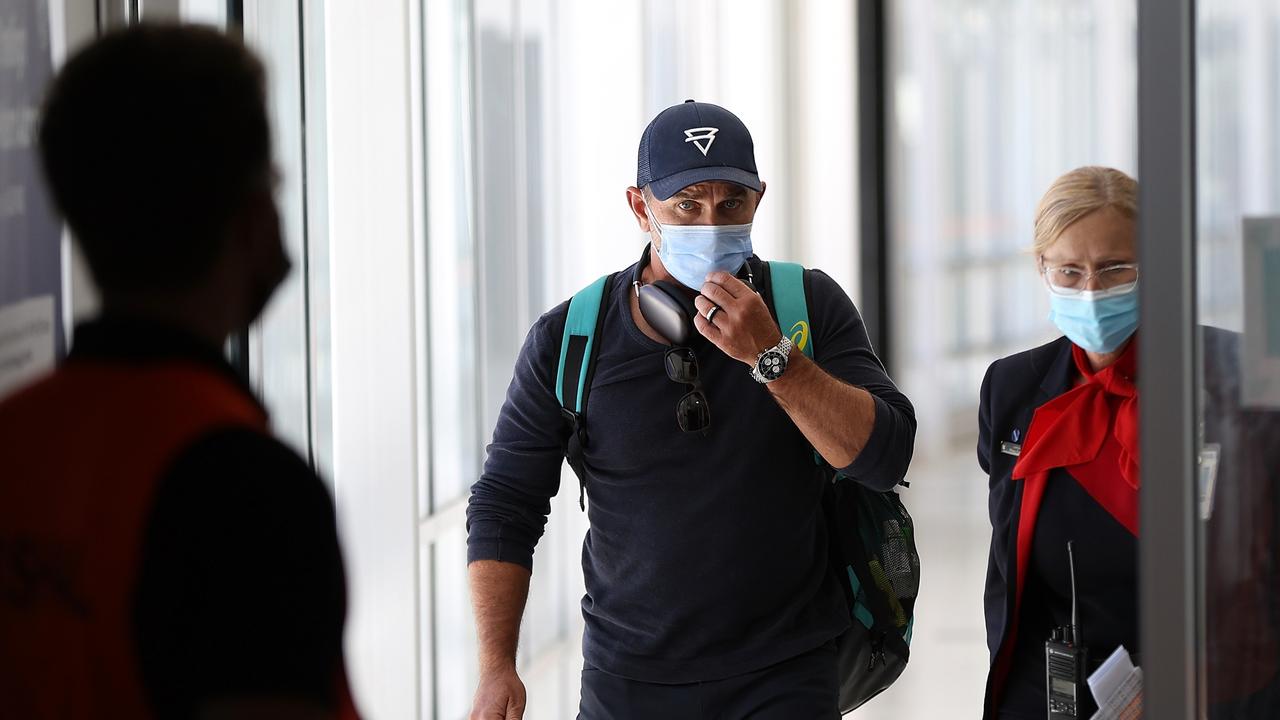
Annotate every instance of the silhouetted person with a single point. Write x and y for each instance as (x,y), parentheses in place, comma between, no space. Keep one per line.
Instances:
(160,554)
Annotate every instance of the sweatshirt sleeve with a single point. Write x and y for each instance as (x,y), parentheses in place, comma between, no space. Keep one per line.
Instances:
(509,504)
(843,349)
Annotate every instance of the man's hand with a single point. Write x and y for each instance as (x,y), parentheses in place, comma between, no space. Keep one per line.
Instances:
(500,696)
(498,594)
(742,328)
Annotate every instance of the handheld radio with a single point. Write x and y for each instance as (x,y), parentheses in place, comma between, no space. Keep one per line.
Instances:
(1065,660)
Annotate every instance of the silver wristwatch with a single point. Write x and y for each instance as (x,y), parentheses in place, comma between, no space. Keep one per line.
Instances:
(772,362)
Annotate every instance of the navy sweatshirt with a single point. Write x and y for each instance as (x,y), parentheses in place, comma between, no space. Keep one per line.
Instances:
(707,554)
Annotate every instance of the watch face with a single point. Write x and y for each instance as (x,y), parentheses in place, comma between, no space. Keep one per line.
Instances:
(772,365)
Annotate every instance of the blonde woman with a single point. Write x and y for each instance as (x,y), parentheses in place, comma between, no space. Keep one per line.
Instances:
(1058,436)
(1059,439)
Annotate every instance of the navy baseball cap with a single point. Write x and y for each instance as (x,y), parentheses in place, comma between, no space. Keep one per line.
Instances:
(695,142)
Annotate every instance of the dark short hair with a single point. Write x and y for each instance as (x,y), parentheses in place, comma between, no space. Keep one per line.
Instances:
(152,138)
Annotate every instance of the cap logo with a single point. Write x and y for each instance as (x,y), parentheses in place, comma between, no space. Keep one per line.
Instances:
(701,137)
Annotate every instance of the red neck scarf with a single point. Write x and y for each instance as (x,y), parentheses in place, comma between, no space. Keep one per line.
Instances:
(1092,432)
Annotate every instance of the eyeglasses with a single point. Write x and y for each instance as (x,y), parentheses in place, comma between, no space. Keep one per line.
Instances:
(693,414)
(1071,280)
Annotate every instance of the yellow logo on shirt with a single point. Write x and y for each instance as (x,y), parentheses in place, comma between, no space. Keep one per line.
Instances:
(800,335)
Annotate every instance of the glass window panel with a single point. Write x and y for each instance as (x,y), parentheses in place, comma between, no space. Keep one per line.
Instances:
(534,45)
(157,10)
(279,366)
(451,258)
(1238,269)
(549,605)
(594,45)
(810,167)
(549,703)
(456,671)
(989,102)
(213,12)
(209,12)
(427,639)
(500,202)
(315,140)
(571,529)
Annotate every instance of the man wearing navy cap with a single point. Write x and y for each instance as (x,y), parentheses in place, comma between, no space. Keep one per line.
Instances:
(709,593)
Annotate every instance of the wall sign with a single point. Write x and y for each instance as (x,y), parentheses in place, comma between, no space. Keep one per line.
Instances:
(31,336)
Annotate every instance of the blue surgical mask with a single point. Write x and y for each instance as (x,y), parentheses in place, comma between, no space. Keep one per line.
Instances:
(1098,321)
(691,252)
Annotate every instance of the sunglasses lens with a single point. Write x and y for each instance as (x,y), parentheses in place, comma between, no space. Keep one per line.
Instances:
(682,365)
(692,412)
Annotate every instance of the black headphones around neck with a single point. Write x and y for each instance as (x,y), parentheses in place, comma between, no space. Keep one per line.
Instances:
(666,306)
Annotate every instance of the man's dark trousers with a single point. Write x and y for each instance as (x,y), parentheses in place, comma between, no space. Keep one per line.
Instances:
(802,687)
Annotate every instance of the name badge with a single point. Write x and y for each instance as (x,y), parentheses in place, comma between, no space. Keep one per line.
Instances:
(1011,448)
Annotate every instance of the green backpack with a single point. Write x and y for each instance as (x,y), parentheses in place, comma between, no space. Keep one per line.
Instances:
(873,550)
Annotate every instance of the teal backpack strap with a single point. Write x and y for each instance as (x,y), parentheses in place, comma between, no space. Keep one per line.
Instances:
(874,651)
(576,366)
(786,282)
(786,290)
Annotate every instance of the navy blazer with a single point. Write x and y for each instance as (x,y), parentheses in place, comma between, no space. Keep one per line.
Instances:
(1241,574)
(1011,391)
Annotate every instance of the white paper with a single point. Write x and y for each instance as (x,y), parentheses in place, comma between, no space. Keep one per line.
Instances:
(26,342)
(1260,361)
(1208,467)
(1117,688)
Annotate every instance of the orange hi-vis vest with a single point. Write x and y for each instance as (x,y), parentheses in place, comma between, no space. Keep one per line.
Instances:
(81,454)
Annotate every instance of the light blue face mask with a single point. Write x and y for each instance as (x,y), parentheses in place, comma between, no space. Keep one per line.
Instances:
(1098,321)
(691,252)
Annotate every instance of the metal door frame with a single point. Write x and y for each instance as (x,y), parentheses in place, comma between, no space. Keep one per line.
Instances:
(1170,554)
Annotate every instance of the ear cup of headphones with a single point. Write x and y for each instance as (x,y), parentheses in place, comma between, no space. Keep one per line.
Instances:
(680,295)
(666,307)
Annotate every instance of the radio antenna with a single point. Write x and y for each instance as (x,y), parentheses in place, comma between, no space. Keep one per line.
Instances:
(1076,638)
